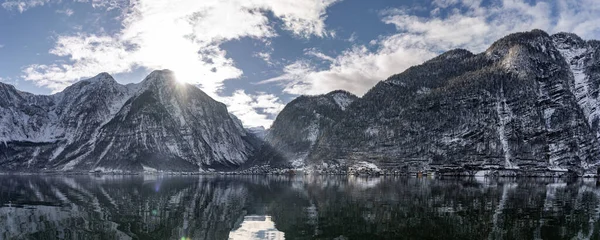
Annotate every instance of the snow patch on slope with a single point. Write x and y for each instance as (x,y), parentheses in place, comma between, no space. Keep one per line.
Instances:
(365,166)
(505,116)
(581,87)
(548,116)
(342,100)
(312,132)
(149,169)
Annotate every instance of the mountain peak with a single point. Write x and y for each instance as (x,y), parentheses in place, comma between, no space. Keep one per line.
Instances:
(165,74)
(101,77)
(565,40)
(534,38)
(159,78)
(104,75)
(522,52)
(454,54)
(339,91)
(567,35)
(6,85)
(342,98)
(8,94)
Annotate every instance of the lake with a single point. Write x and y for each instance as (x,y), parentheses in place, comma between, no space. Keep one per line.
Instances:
(300,207)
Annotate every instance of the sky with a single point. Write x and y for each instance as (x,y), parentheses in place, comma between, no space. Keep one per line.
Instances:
(257,55)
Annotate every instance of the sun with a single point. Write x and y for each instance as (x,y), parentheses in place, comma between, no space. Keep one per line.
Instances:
(174,76)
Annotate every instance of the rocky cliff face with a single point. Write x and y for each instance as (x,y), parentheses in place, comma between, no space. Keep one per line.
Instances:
(526,105)
(100,125)
(295,130)
(583,59)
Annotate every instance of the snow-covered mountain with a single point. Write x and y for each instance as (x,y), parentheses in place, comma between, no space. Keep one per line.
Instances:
(527,105)
(295,130)
(100,125)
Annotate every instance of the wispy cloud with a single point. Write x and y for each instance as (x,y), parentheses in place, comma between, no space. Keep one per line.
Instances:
(470,24)
(352,37)
(315,53)
(67,12)
(23,5)
(265,56)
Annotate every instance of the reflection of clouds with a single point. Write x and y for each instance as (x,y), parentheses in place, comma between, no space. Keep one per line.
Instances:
(256,227)
(325,181)
(312,213)
(150,177)
(481,179)
(554,186)
(363,182)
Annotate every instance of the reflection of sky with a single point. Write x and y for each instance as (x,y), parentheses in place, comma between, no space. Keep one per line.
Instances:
(154,180)
(157,185)
(256,227)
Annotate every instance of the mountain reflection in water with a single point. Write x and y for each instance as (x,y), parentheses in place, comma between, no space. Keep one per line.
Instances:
(301,207)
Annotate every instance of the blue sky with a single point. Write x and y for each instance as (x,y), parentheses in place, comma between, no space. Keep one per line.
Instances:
(257,55)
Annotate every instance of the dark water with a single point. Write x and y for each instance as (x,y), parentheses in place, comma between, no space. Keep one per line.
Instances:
(153,207)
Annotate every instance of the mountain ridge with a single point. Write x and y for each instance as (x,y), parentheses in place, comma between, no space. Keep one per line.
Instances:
(91,126)
(515,109)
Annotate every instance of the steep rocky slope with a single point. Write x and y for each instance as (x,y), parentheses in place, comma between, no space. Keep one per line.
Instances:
(100,125)
(527,104)
(296,129)
(583,59)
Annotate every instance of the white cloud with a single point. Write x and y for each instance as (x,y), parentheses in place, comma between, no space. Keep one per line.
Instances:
(315,53)
(303,18)
(265,56)
(181,35)
(107,4)
(355,70)
(67,12)
(88,54)
(352,37)
(245,107)
(23,5)
(1,46)
(469,24)
(444,3)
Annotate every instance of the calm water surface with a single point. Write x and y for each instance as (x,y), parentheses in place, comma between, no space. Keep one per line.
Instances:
(257,207)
